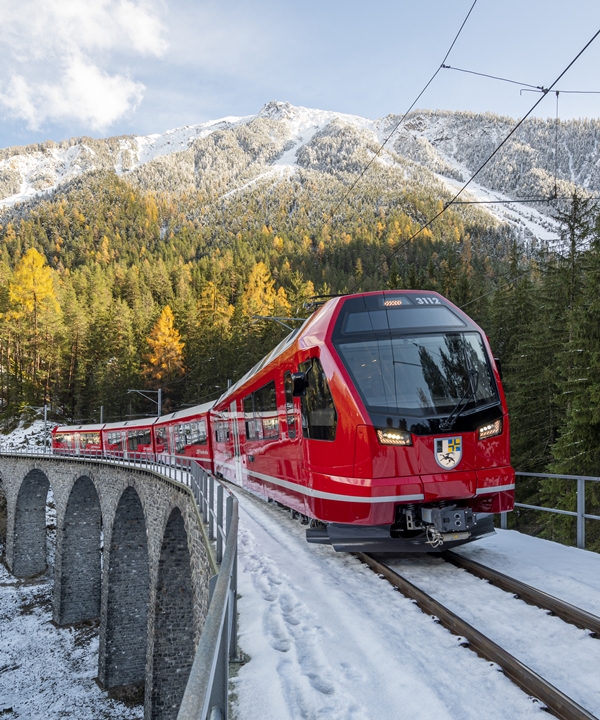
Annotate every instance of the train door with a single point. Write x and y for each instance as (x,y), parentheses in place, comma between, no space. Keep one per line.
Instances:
(237,454)
(292,447)
(319,420)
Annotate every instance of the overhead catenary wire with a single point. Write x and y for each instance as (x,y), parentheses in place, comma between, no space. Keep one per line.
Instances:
(402,118)
(490,157)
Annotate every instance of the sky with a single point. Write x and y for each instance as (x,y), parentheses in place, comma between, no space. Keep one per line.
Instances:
(113,67)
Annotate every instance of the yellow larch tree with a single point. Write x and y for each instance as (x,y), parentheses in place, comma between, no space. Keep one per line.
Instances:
(260,297)
(213,308)
(33,316)
(164,362)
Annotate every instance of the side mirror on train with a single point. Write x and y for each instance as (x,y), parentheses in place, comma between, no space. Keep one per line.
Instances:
(499,366)
(299,384)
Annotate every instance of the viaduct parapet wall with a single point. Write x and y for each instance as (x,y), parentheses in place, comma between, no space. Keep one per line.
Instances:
(130,550)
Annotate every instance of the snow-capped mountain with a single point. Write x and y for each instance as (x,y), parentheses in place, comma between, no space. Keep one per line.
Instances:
(231,154)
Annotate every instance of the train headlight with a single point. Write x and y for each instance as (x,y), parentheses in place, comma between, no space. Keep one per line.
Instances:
(394,437)
(490,430)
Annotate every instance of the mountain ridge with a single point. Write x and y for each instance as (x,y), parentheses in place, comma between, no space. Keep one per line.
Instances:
(229,155)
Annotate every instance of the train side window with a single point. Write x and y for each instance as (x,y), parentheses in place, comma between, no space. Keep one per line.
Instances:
(249,418)
(86,439)
(319,416)
(179,439)
(161,436)
(202,438)
(222,431)
(136,438)
(116,440)
(289,405)
(265,407)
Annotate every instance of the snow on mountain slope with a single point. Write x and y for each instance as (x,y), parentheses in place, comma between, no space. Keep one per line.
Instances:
(28,171)
(232,154)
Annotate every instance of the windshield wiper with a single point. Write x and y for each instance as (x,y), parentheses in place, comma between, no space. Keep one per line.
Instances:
(469,394)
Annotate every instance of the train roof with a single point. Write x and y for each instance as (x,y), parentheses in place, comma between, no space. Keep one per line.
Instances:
(277,350)
(141,422)
(76,428)
(186,412)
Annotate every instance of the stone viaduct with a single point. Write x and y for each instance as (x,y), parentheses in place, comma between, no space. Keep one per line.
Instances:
(131,551)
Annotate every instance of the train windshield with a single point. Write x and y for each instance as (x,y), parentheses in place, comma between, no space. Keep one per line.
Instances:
(420,375)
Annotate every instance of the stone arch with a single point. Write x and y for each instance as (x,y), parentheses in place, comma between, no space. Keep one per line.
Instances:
(173,621)
(80,570)
(29,543)
(127,595)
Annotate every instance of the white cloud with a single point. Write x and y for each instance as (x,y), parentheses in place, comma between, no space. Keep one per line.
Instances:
(57,56)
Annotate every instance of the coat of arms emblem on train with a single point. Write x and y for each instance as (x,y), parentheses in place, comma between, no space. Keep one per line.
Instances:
(448,452)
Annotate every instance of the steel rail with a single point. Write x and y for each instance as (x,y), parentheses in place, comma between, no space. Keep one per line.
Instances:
(557,702)
(564,610)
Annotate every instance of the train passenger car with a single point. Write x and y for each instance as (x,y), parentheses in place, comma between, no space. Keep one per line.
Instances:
(186,433)
(129,438)
(77,439)
(382,420)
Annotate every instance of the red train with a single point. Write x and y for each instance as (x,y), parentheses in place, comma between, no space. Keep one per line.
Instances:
(182,433)
(382,421)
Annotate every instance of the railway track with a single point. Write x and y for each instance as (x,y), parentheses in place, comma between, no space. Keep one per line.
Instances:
(557,702)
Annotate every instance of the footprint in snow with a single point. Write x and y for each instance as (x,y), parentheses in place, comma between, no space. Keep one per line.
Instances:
(292,630)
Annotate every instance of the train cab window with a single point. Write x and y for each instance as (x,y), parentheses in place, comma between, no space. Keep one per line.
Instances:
(319,416)
(289,405)
(265,410)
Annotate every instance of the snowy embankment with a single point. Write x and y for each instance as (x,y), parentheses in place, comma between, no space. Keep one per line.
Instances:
(24,437)
(329,639)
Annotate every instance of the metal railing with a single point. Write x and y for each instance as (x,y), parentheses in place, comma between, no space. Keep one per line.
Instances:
(580,513)
(206,693)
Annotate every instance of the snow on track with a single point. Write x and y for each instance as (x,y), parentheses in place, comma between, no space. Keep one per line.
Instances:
(329,639)
(567,573)
(539,640)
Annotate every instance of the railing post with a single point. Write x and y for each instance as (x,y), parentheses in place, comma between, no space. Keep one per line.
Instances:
(219,522)
(205,497)
(581,513)
(211,501)
(233,610)
(218,691)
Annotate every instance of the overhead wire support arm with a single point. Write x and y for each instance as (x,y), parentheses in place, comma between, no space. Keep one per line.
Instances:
(534,88)
(144,393)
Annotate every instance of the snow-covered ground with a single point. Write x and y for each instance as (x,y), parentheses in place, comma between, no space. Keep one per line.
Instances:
(23,437)
(329,639)
(325,638)
(48,672)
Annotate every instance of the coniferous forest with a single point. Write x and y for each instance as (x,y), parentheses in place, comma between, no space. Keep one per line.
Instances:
(106,286)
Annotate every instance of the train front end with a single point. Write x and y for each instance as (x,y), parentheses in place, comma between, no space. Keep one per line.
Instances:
(431,445)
